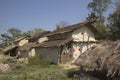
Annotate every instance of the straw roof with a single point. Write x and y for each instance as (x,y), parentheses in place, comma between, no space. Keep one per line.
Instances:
(25,37)
(27,46)
(38,35)
(53,43)
(102,57)
(72,28)
(8,48)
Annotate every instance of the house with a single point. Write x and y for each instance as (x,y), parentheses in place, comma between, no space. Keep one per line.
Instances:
(26,50)
(11,49)
(67,43)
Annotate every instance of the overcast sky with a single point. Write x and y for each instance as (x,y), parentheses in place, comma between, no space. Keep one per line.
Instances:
(29,14)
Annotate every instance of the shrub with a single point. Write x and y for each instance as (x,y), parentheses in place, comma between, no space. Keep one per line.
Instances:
(6,78)
(18,67)
(39,60)
(1,52)
(9,60)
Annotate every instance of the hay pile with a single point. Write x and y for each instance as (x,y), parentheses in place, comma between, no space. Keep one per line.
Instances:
(104,57)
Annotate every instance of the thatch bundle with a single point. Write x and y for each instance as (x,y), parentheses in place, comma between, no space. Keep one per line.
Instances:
(104,57)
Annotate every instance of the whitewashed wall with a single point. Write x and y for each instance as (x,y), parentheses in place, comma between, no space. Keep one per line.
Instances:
(52,53)
(23,54)
(76,50)
(32,52)
(42,39)
(80,48)
(22,42)
(82,34)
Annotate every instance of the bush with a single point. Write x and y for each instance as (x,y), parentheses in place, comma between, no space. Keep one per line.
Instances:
(18,67)
(39,60)
(9,60)
(6,78)
(1,52)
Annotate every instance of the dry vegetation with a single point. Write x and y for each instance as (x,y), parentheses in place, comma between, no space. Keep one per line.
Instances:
(103,57)
(38,68)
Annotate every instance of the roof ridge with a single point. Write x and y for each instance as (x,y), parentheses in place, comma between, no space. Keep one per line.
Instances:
(67,28)
(82,23)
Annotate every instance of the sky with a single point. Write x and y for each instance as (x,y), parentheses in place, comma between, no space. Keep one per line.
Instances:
(30,14)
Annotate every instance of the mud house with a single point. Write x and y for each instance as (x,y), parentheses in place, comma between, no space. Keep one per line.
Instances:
(62,45)
(67,43)
(26,50)
(11,49)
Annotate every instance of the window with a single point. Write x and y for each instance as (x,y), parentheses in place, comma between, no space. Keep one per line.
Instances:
(81,33)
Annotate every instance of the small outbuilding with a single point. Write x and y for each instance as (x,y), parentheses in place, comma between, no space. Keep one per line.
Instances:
(26,50)
(11,49)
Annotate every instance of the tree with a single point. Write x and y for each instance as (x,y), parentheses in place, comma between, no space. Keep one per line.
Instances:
(13,34)
(5,39)
(62,24)
(97,8)
(114,23)
(92,17)
(35,31)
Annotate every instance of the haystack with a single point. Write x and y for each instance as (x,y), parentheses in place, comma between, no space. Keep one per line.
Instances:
(104,57)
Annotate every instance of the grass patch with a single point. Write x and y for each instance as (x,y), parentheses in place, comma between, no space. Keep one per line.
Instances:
(1,51)
(36,72)
(39,60)
(38,68)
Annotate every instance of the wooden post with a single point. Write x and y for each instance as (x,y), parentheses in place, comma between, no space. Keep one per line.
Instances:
(88,42)
(83,37)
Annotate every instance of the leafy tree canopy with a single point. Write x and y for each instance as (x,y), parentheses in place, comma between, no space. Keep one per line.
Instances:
(97,8)
(114,22)
(13,34)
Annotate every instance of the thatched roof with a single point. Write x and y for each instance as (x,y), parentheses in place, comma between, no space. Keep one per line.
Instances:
(38,35)
(72,28)
(53,43)
(102,57)
(27,46)
(21,38)
(8,48)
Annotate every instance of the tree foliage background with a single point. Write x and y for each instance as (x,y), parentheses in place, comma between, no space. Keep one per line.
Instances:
(97,9)
(14,34)
(11,35)
(114,23)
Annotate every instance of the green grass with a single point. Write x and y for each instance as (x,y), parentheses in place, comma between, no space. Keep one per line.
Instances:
(36,72)
(39,60)
(38,68)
